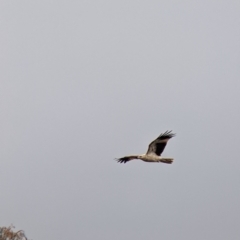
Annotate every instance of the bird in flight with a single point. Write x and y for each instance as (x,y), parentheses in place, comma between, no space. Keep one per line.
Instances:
(154,151)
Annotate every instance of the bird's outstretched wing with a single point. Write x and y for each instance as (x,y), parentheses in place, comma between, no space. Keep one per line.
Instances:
(127,158)
(157,146)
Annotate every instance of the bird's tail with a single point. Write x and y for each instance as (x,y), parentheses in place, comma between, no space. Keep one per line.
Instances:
(166,160)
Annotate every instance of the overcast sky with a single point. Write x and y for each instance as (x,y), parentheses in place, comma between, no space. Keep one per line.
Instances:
(84,82)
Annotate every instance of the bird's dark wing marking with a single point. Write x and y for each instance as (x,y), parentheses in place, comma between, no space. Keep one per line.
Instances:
(127,158)
(157,146)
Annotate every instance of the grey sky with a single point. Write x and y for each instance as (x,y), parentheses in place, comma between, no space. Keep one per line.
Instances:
(83,82)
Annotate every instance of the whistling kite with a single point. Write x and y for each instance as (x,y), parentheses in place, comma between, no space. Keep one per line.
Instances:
(155,149)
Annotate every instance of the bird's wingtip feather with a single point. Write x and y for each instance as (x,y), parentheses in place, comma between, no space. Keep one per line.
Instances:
(168,134)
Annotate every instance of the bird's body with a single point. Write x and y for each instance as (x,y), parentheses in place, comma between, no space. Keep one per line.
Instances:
(155,149)
(155,158)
